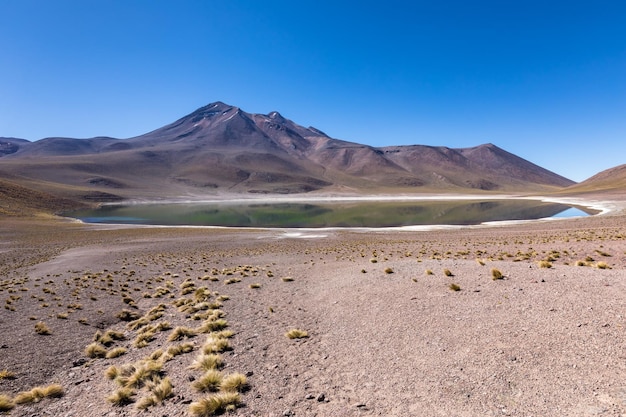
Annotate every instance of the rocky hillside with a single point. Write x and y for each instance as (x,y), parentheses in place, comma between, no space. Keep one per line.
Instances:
(222,149)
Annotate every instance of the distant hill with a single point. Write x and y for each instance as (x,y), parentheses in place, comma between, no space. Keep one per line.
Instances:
(221,149)
(17,200)
(610,180)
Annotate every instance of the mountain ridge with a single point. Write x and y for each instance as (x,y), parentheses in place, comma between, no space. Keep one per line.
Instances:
(221,148)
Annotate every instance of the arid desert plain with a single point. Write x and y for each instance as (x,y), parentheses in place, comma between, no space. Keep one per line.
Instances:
(521,319)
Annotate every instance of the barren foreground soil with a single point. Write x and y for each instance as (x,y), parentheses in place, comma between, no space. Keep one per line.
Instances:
(387,336)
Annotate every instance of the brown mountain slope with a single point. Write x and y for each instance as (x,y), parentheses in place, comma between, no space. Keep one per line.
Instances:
(220,148)
(610,180)
(17,200)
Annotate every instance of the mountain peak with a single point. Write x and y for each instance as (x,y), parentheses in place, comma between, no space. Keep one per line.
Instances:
(277,117)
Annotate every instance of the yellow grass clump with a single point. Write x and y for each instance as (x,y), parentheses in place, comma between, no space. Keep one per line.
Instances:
(215,404)
(116,352)
(122,396)
(42,328)
(296,334)
(234,383)
(496,274)
(209,382)
(180,333)
(38,393)
(6,374)
(95,350)
(6,403)
(207,362)
(213,325)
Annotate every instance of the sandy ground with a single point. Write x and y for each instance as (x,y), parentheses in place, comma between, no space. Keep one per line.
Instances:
(386,334)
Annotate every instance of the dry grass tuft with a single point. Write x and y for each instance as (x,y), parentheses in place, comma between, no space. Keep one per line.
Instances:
(215,404)
(545,264)
(448,273)
(147,402)
(296,334)
(112,372)
(6,403)
(121,397)
(6,374)
(206,362)
(602,265)
(95,350)
(109,337)
(496,274)
(143,373)
(388,270)
(215,345)
(454,287)
(127,315)
(116,352)
(144,338)
(180,349)
(54,391)
(42,329)
(163,390)
(234,383)
(38,393)
(209,382)
(213,326)
(181,333)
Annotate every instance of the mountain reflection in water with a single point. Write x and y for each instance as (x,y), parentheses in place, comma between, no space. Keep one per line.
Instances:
(327,214)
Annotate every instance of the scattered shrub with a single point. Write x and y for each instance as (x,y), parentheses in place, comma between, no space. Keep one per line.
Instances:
(6,374)
(209,382)
(112,372)
(95,350)
(127,315)
(116,352)
(180,349)
(121,397)
(234,383)
(215,404)
(296,334)
(213,326)
(163,390)
(6,404)
(42,329)
(180,333)
(38,393)
(207,362)
(496,274)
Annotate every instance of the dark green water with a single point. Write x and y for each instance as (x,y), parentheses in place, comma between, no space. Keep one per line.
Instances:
(327,214)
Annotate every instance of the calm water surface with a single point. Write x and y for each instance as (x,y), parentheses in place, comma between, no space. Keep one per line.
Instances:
(327,214)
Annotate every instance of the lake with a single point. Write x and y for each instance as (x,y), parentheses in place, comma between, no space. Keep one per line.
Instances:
(328,213)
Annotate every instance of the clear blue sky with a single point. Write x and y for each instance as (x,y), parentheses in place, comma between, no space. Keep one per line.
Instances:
(545,80)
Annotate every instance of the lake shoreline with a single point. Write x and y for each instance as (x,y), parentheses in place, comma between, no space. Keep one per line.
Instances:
(381,299)
(599,206)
